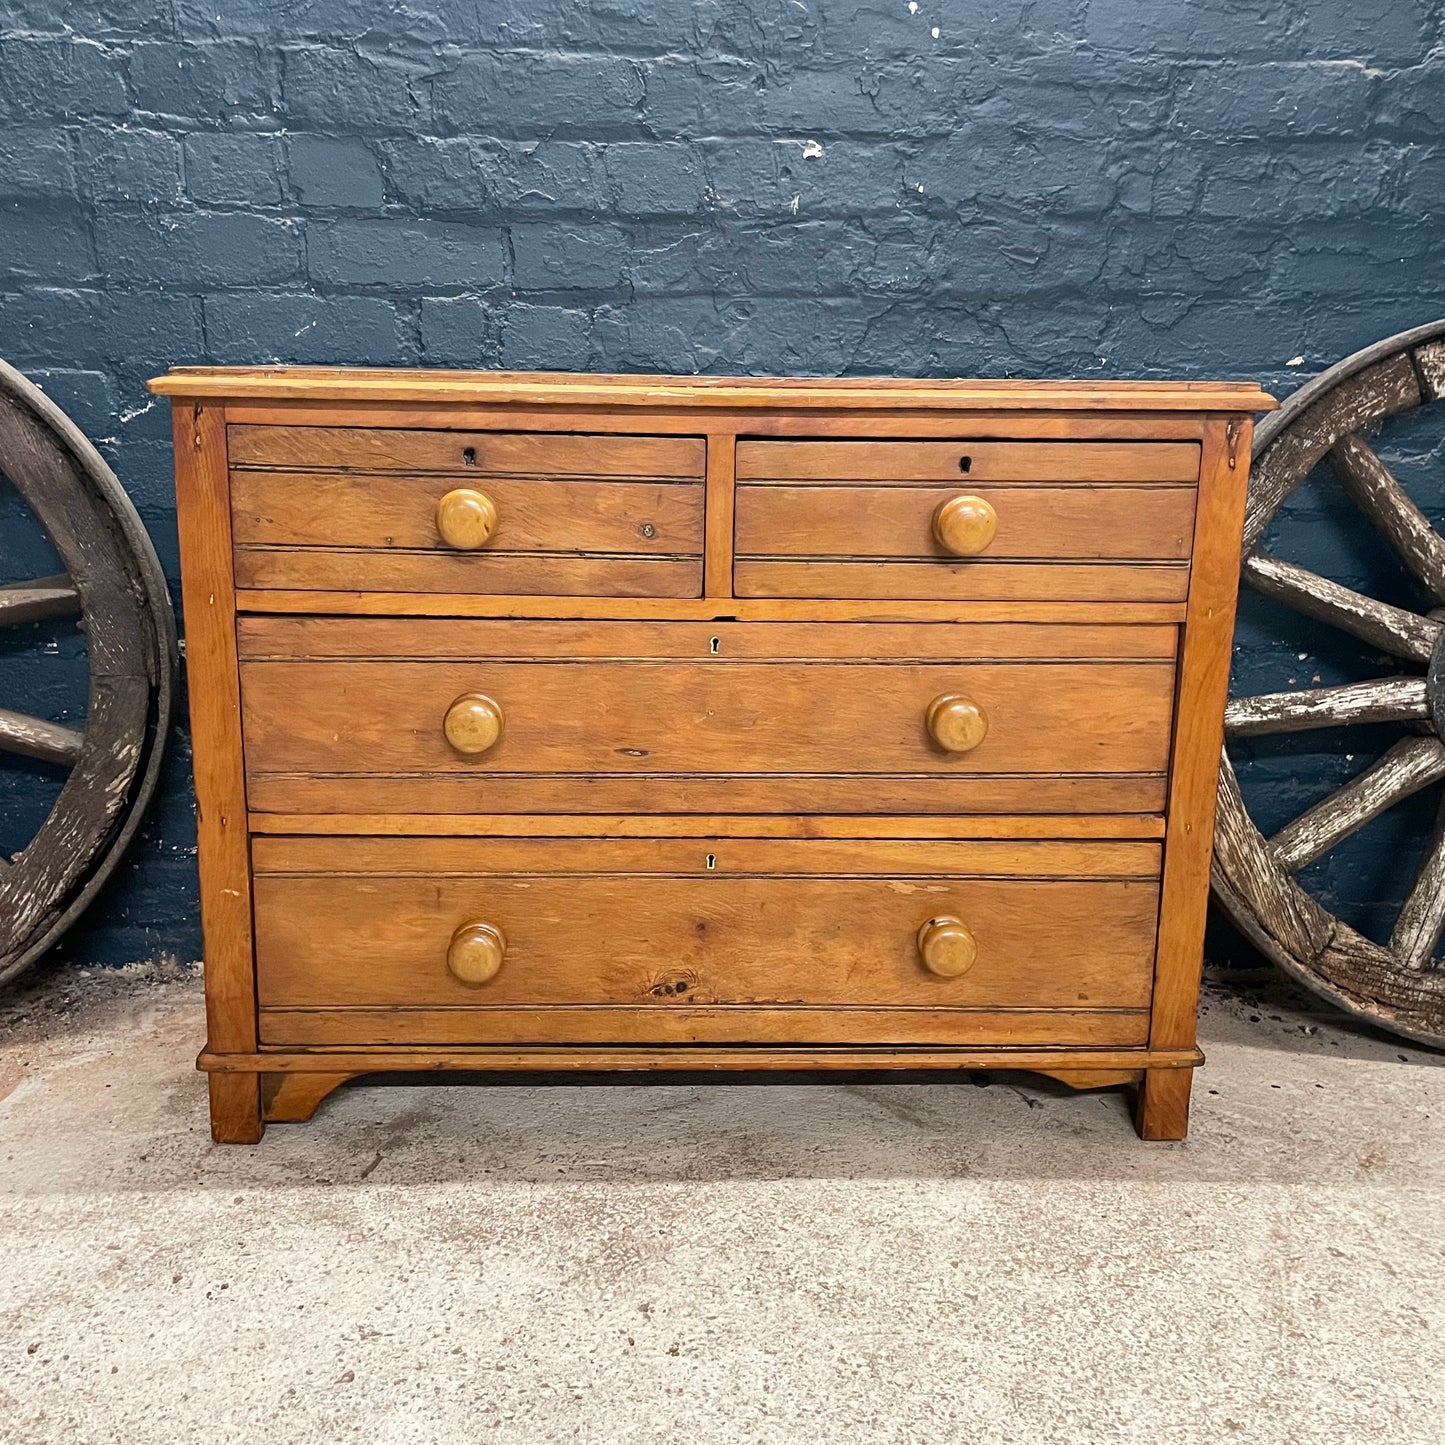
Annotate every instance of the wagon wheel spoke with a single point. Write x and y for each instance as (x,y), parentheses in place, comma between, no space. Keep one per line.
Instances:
(1391,629)
(1385,502)
(34,601)
(34,737)
(1422,915)
(1412,764)
(1390,699)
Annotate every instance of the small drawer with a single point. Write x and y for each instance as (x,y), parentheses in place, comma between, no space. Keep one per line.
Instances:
(445,940)
(380,510)
(1068,521)
(465,716)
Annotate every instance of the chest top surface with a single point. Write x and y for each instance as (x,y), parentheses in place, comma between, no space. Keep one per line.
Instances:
(507,388)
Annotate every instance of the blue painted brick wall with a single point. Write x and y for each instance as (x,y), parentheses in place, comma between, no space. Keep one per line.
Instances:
(1045,188)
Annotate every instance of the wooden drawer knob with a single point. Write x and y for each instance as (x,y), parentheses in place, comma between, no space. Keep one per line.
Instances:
(956,723)
(947,947)
(475,954)
(964,525)
(466,519)
(473,723)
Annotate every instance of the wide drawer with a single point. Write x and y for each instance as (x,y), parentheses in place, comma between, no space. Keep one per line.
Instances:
(691,941)
(1080,521)
(360,716)
(374,510)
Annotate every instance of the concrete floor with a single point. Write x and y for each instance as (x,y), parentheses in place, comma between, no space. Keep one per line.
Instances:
(836,1262)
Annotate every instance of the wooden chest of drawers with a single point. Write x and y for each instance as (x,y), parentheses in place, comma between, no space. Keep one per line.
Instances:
(573,722)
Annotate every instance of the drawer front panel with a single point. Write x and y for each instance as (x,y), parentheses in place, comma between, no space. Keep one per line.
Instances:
(352,509)
(683,728)
(889,463)
(644,940)
(1068,523)
(1087,521)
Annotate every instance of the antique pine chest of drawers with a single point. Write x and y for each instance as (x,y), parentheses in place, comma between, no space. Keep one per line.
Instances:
(551,722)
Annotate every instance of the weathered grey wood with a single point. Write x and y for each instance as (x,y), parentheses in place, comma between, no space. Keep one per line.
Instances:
(1372,984)
(1391,699)
(1412,764)
(1396,987)
(1430,364)
(38,600)
(1284,916)
(1310,946)
(1392,629)
(1422,915)
(33,737)
(113,575)
(1385,502)
(1285,455)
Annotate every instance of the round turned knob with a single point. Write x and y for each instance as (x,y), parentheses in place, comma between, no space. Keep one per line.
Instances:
(473,723)
(466,519)
(475,953)
(956,723)
(947,947)
(964,525)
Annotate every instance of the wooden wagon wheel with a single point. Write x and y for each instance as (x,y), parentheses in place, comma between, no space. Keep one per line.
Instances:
(113,585)
(1397,984)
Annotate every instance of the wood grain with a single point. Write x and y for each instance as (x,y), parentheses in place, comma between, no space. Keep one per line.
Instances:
(235,1101)
(733,1026)
(636,1058)
(322,637)
(386,385)
(370,718)
(550,574)
(207,592)
(357,936)
(804,423)
(294,1098)
(669,825)
(536,514)
(875,795)
(288,638)
(1162,1109)
(474,455)
(349,602)
(718,568)
(966,462)
(714,825)
(1034,523)
(719,856)
(974,579)
(1198,737)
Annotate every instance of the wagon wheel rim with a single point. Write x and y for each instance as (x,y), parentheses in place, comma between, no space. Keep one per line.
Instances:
(1398,986)
(113,585)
